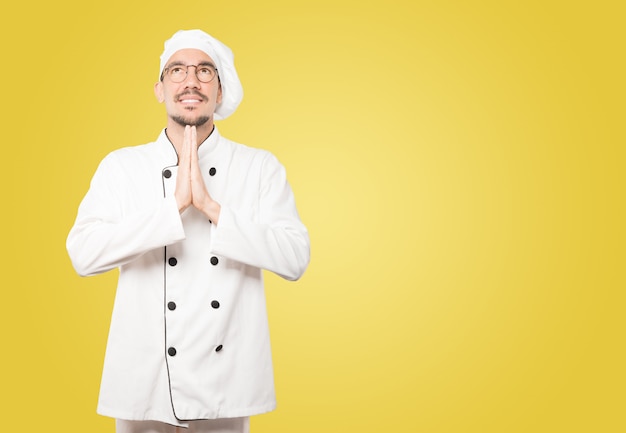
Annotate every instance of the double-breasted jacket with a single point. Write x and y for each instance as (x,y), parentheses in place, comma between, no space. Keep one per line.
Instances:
(189,335)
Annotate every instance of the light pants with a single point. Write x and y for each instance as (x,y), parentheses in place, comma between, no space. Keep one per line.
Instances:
(223,425)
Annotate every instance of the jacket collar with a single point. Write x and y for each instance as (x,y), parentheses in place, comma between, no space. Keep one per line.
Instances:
(167,148)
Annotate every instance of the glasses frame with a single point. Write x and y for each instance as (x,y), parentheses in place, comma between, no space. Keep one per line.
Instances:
(186,67)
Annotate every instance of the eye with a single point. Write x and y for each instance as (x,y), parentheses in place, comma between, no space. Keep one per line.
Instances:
(205,70)
(176,70)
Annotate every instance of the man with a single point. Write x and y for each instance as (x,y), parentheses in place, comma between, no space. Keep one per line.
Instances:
(191,220)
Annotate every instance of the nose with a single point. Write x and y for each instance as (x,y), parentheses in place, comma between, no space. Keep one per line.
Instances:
(191,80)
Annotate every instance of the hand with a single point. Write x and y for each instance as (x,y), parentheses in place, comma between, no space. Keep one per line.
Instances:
(190,187)
(183,178)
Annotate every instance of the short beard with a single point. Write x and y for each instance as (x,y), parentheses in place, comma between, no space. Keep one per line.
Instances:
(182,121)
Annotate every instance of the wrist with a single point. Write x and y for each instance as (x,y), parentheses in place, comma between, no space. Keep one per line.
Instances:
(212,211)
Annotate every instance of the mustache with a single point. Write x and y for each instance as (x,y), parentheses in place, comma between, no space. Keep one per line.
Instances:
(191,93)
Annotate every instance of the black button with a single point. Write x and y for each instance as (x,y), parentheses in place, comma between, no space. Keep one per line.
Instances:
(167,174)
(171,351)
(215,304)
(214,260)
(172,261)
(171,305)
(218,348)
(212,171)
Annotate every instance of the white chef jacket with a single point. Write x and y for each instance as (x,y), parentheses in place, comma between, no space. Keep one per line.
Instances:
(189,336)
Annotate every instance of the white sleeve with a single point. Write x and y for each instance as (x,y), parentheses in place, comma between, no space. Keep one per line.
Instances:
(276,240)
(106,235)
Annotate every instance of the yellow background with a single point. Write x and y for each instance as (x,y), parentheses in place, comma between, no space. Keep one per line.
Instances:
(460,167)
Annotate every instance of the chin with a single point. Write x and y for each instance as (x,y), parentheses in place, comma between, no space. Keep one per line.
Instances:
(197,121)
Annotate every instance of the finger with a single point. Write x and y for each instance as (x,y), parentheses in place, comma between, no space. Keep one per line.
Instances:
(194,164)
(199,191)
(193,145)
(182,151)
(183,186)
(186,148)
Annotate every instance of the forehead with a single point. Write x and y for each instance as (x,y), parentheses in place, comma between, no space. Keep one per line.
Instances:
(190,56)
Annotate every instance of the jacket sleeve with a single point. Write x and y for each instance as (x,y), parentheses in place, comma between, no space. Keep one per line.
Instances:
(276,239)
(109,233)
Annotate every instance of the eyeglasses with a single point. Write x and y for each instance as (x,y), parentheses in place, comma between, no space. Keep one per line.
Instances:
(178,73)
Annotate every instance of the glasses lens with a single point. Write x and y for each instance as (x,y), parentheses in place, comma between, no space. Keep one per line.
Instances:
(177,73)
(205,73)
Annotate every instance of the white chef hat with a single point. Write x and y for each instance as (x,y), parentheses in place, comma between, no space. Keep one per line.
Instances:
(232,92)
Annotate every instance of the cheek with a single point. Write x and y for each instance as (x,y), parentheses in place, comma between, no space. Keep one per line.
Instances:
(166,95)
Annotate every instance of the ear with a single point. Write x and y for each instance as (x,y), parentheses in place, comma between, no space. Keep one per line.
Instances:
(219,95)
(158,92)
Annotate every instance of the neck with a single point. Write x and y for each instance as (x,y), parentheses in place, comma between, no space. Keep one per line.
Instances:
(175,133)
